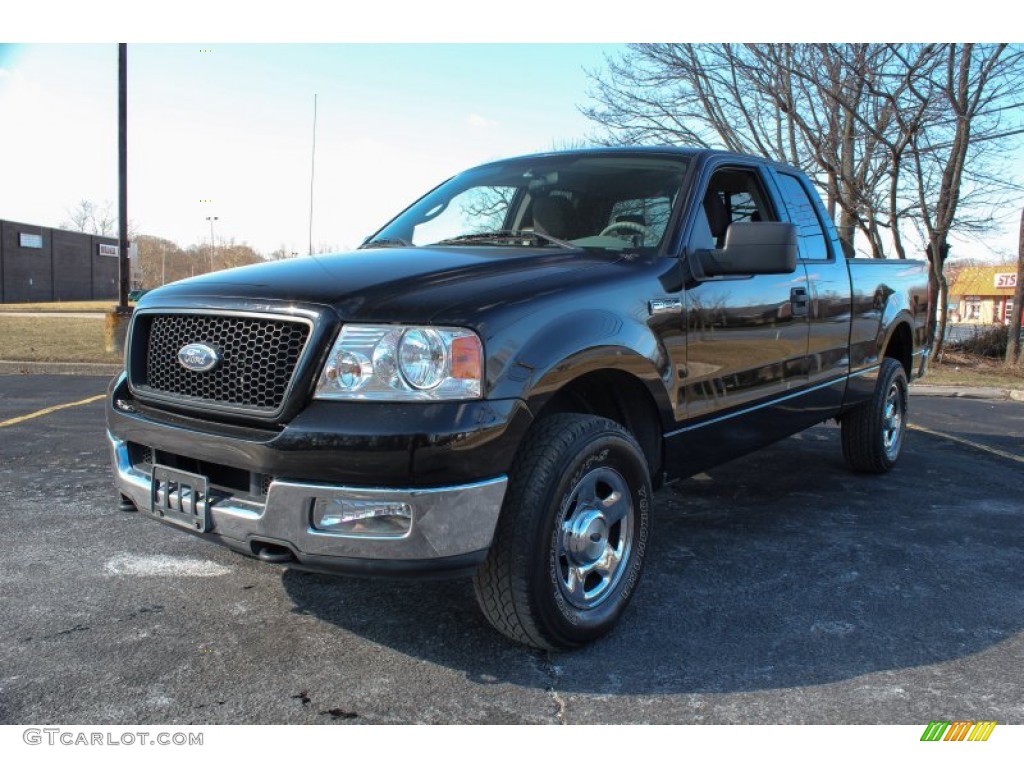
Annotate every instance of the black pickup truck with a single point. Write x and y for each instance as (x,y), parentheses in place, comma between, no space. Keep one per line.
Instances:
(498,380)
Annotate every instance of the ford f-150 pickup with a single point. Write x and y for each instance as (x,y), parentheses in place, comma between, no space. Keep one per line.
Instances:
(498,380)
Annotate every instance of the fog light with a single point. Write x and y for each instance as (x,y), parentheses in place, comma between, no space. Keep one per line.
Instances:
(362,517)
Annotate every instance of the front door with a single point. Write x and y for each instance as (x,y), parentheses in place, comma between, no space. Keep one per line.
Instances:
(747,337)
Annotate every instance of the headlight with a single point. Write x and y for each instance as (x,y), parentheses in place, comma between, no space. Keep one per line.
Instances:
(421,357)
(397,362)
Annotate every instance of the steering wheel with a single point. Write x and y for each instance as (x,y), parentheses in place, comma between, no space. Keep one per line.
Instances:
(632,226)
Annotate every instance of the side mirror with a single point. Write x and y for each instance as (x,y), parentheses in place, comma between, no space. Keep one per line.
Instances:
(753,248)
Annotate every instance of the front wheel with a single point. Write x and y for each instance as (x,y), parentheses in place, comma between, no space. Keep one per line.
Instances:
(570,543)
(873,432)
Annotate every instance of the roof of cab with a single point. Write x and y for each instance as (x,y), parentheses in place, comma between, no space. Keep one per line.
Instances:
(687,152)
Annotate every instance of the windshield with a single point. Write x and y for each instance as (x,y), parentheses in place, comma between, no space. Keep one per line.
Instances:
(560,201)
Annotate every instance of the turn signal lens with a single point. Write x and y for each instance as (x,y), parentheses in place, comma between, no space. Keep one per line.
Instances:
(467,358)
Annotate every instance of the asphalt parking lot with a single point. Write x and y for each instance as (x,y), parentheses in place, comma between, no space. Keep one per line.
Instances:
(779,588)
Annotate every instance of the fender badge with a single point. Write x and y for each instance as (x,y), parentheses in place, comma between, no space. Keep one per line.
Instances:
(664,306)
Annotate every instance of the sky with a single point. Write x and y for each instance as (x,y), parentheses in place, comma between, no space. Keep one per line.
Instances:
(225,130)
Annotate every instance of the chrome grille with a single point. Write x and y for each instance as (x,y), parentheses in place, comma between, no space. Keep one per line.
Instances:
(258,355)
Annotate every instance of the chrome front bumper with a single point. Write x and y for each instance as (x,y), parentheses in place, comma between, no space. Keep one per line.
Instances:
(447,522)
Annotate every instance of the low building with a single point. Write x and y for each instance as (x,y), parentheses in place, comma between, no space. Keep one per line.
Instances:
(983,295)
(41,264)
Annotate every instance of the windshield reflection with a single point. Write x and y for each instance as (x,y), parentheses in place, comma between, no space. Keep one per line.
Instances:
(591,201)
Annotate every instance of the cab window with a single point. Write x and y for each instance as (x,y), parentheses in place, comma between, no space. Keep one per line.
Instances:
(811,237)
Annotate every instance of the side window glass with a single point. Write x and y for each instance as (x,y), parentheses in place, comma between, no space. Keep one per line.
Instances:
(732,196)
(743,206)
(801,212)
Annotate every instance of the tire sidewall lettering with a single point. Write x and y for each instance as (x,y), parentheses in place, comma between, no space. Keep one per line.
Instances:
(637,482)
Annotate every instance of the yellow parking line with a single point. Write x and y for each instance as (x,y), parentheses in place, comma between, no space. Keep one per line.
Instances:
(969,443)
(51,409)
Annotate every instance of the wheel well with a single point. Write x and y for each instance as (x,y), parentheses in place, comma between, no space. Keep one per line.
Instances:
(620,397)
(900,347)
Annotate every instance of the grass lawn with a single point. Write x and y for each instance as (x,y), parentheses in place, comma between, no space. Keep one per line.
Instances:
(959,369)
(61,306)
(53,339)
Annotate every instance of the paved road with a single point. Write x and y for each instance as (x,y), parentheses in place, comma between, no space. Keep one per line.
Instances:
(978,422)
(780,589)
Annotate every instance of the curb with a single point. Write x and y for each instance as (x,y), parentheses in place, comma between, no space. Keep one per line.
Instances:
(972,393)
(71,369)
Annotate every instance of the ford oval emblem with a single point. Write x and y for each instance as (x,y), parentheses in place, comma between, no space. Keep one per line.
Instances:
(198,357)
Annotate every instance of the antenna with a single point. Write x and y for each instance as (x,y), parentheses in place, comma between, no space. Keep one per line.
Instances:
(312,171)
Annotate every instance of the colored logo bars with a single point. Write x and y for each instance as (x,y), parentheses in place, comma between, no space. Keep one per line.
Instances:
(958,730)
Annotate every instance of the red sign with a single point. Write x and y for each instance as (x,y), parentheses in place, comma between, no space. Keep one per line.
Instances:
(1006,280)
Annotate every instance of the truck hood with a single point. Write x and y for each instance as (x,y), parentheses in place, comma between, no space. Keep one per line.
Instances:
(392,284)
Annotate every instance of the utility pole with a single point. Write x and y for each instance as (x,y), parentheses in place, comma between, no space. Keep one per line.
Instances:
(122,172)
(115,326)
(1013,350)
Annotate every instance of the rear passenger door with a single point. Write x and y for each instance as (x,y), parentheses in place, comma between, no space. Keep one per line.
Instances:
(829,299)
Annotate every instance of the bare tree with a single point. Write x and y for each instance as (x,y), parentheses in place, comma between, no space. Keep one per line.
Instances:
(164,261)
(894,135)
(799,104)
(282,252)
(161,261)
(979,87)
(861,108)
(93,218)
(565,145)
(229,254)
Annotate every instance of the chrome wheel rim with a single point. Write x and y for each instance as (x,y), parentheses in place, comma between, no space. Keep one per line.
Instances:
(594,536)
(892,422)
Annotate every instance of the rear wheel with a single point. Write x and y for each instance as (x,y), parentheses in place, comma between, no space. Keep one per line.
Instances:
(570,543)
(873,432)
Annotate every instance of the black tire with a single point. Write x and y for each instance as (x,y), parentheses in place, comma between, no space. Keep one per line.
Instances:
(551,532)
(873,431)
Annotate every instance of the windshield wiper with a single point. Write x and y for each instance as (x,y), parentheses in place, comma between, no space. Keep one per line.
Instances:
(386,242)
(507,237)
